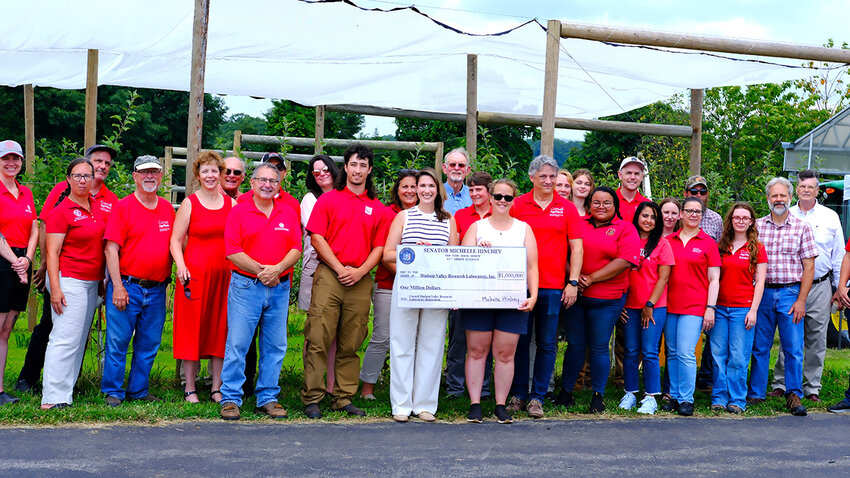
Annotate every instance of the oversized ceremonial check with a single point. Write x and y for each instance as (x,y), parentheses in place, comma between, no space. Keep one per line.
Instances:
(442,277)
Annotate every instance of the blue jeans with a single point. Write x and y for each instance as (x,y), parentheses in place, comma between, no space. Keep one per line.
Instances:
(251,304)
(731,346)
(590,325)
(544,320)
(773,313)
(682,333)
(142,321)
(640,341)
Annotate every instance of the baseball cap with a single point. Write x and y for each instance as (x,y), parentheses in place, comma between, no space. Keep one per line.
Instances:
(101,147)
(696,181)
(270,156)
(147,162)
(632,159)
(10,147)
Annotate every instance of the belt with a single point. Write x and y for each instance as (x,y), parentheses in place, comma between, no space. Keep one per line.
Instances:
(145,283)
(282,279)
(825,277)
(781,286)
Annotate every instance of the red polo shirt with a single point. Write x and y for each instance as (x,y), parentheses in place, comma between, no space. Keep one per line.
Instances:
(267,240)
(618,240)
(16,215)
(81,256)
(736,280)
(553,228)
(466,217)
(688,284)
(644,276)
(105,199)
(350,223)
(628,208)
(282,196)
(383,277)
(143,236)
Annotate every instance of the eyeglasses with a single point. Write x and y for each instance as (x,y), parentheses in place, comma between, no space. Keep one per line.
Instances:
(272,181)
(506,197)
(698,192)
(692,212)
(742,219)
(603,204)
(149,172)
(319,172)
(82,177)
(806,187)
(234,172)
(456,165)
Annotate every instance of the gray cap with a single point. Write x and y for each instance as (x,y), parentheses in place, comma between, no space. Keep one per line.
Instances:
(10,147)
(632,160)
(147,162)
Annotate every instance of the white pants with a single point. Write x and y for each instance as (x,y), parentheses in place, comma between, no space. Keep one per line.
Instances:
(417,341)
(67,344)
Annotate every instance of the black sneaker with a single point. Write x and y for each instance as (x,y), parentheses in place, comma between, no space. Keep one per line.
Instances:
(23,386)
(475,415)
(596,403)
(501,414)
(686,409)
(671,405)
(841,407)
(564,399)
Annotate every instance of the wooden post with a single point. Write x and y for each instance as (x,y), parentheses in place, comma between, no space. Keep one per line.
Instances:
(696,123)
(169,173)
(438,159)
(196,87)
(90,136)
(320,129)
(550,88)
(237,142)
(29,129)
(471,107)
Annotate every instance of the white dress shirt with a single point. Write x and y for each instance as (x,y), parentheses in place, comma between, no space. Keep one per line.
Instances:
(829,237)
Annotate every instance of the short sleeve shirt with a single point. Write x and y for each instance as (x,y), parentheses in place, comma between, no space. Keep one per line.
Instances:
(266,239)
(105,199)
(628,208)
(467,217)
(82,255)
(737,281)
(553,228)
(383,277)
(16,215)
(644,276)
(455,201)
(603,244)
(143,235)
(350,223)
(687,289)
(282,196)
(787,245)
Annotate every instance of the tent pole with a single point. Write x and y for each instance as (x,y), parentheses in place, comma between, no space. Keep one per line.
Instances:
(29,129)
(811,137)
(90,132)
(196,88)
(550,88)
(697,97)
(320,129)
(472,107)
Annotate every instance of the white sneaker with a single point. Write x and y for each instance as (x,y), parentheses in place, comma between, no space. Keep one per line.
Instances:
(628,402)
(648,405)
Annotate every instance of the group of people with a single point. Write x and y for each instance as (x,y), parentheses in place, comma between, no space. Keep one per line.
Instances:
(596,257)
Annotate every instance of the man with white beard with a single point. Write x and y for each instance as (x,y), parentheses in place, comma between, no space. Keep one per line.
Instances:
(791,252)
(139,265)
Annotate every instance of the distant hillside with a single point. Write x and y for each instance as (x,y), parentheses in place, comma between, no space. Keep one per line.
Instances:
(562,149)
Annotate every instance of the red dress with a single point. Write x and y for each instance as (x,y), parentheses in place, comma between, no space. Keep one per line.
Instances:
(200,323)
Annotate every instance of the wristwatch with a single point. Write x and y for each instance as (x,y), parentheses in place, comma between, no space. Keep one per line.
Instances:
(650,304)
(573,283)
(712,307)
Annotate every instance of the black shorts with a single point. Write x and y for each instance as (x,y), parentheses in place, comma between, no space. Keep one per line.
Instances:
(486,320)
(13,294)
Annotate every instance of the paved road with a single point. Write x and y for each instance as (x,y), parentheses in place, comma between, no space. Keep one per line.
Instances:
(809,447)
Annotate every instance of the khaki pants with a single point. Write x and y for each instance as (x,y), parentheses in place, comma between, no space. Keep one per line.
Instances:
(341,312)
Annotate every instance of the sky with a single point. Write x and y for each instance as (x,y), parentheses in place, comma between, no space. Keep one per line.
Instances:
(805,22)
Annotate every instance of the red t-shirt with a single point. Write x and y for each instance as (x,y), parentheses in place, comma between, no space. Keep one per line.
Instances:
(553,228)
(267,240)
(282,196)
(466,217)
(104,199)
(642,278)
(383,277)
(350,223)
(16,215)
(143,236)
(618,240)
(688,284)
(736,280)
(81,256)
(628,208)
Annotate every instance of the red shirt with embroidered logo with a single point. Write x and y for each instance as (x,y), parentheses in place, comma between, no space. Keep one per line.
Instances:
(383,277)
(105,199)
(687,289)
(81,256)
(628,208)
(466,217)
(603,244)
(16,215)
(642,278)
(282,197)
(143,235)
(267,240)
(737,281)
(350,223)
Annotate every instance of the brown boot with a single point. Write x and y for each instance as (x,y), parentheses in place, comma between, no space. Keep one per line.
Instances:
(792,402)
(273,410)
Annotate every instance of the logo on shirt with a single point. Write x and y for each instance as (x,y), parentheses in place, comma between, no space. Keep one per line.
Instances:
(368,211)
(406,255)
(556,212)
(106,206)
(744,254)
(281,227)
(28,210)
(610,232)
(77,213)
(697,250)
(164,226)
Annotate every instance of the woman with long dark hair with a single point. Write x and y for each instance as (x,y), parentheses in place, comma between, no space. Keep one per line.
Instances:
(646,309)
(742,274)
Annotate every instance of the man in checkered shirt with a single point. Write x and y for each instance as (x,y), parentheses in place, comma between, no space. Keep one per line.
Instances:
(791,253)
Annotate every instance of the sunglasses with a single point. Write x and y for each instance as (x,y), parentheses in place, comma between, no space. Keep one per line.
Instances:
(319,172)
(186,291)
(701,192)
(506,197)
(234,172)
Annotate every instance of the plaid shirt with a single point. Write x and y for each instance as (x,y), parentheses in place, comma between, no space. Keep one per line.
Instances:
(712,224)
(787,245)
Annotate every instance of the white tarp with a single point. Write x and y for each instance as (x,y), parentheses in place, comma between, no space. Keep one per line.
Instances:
(330,53)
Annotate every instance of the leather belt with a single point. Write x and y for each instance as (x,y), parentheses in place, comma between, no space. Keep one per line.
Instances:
(145,283)
(781,286)
(282,279)
(825,277)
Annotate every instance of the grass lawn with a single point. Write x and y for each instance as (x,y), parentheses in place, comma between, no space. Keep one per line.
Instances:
(89,407)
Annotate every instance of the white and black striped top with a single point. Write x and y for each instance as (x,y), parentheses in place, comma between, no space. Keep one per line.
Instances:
(419,226)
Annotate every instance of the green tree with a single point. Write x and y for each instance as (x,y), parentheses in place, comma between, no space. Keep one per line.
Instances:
(300,121)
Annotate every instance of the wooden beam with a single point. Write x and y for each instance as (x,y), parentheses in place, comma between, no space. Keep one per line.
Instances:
(634,36)
(169,173)
(29,129)
(320,129)
(90,132)
(249,155)
(471,107)
(196,86)
(550,88)
(341,143)
(237,141)
(438,159)
(587,124)
(397,112)
(695,156)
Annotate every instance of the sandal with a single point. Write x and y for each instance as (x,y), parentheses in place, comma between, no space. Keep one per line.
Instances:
(186,395)
(213,392)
